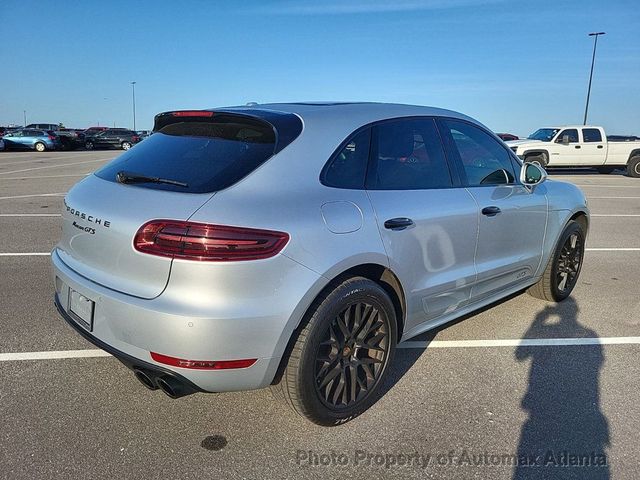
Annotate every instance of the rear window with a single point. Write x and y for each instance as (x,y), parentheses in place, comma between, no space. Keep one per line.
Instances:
(207,154)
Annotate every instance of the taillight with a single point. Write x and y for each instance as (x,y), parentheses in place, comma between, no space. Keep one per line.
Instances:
(203,364)
(52,138)
(135,138)
(205,242)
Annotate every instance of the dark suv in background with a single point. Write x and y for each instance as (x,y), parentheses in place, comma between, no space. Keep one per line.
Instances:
(112,138)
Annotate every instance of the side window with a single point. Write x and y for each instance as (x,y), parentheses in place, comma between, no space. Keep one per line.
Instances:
(591,135)
(408,155)
(483,159)
(348,168)
(572,133)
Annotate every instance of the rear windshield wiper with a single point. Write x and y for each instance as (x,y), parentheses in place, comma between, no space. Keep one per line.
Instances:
(128,177)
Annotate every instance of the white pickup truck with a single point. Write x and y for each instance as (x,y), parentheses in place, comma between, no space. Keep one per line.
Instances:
(580,146)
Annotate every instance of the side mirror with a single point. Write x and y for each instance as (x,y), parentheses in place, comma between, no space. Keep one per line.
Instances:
(565,140)
(532,174)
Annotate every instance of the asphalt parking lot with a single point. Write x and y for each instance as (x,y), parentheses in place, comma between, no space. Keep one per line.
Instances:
(460,402)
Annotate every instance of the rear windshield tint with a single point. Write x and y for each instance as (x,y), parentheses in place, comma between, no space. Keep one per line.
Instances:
(207,154)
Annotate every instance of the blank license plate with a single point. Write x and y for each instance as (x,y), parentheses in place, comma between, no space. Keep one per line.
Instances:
(81,308)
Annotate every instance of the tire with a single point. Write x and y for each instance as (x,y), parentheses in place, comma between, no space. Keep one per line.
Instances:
(125,145)
(633,167)
(89,145)
(540,160)
(317,381)
(564,265)
(605,170)
(40,147)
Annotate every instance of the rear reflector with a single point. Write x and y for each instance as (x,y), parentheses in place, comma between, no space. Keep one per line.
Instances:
(192,113)
(206,242)
(203,364)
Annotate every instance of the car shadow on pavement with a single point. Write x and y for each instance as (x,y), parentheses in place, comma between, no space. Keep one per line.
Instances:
(566,433)
(405,358)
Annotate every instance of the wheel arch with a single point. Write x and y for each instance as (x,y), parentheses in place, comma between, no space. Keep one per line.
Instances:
(380,274)
(388,280)
(555,229)
(527,153)
(582,218)
(634,153)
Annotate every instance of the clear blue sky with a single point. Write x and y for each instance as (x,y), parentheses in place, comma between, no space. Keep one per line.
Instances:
(514,65)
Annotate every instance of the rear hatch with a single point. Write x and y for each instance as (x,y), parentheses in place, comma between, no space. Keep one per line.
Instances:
(191,156)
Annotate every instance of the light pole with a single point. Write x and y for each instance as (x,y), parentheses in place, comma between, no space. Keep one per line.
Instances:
(133,87)
(24,113)
(593,60)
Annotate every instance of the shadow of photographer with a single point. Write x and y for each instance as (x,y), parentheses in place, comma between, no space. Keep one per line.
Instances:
(566,433)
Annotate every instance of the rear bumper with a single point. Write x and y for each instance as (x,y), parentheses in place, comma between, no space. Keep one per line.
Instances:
(173,324)
(130,362)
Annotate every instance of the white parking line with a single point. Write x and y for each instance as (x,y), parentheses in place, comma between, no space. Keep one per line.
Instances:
(53,355)
(31,160)
(632,249)
(51,166)
(608,186)
(30,215)
(615,198)
(526,342)
(614,215)
(49,176)
(35,195)
(25,254)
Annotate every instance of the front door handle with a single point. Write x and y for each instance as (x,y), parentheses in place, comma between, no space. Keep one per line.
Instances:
(577,146)
(600,146)
(399,223)
(491,211)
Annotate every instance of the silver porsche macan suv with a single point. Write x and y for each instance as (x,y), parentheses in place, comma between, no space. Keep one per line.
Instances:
(294,245)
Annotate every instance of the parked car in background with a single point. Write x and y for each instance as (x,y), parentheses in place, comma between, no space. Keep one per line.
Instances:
(1,144)
(144,133)
(113,138)
(8,129)
(91,131)
(38,140)
(580,146)
(44,126)
(507,136)
(70,138)
(210,258)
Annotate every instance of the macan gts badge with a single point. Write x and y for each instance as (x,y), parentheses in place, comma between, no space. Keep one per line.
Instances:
(294,245)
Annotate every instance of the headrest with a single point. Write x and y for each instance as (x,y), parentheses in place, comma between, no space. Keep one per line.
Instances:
(395,141)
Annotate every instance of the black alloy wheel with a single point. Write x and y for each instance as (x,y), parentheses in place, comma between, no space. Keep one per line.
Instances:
(352,355)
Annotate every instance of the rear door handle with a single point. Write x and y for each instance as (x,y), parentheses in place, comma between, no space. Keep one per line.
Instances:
(399,223)
(577,146)
(491,211)
(600,146)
